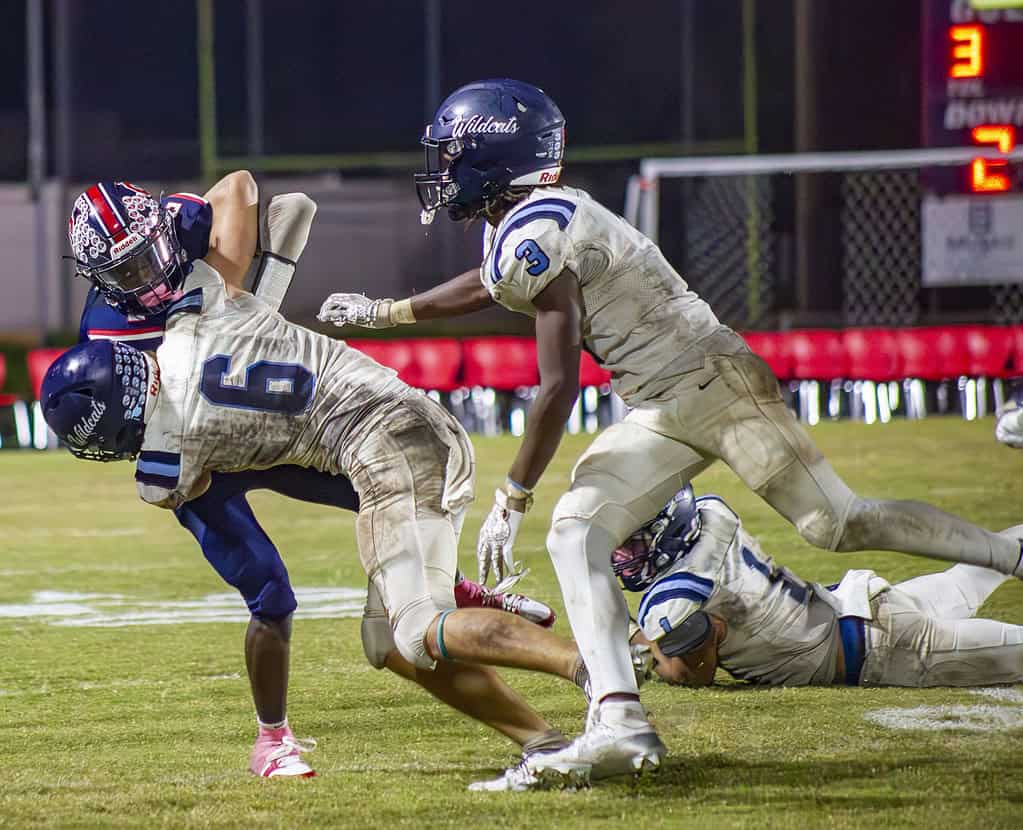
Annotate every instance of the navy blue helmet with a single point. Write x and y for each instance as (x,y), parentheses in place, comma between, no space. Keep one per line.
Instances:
(94,399)
(125,243)
(487,138)
(644,556)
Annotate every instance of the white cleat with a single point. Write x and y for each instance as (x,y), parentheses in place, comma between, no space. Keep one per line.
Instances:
(618,741)
(515,779)
(519,779)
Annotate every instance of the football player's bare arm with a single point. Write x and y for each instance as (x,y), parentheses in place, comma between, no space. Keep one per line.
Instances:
(558,343)
(463,294)
(695,668)
(460,295)
(235,231)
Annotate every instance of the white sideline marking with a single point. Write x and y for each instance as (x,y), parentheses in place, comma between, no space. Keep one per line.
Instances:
(84,610)
(1002,693)
(975,718)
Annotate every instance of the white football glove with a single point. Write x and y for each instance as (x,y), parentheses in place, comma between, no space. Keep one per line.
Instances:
(497,538)
(356,310)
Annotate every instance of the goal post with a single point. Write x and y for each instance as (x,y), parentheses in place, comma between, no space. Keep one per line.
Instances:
(900,222)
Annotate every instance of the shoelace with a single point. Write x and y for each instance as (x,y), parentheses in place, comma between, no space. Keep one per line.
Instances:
(291,745)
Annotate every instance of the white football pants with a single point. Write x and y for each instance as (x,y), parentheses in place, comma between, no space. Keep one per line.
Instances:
(923,634)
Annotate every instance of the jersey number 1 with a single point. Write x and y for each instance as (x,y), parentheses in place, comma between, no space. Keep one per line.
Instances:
(269,387)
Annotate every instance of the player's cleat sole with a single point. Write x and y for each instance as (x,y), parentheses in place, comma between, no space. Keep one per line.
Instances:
(637,754)
(562,777)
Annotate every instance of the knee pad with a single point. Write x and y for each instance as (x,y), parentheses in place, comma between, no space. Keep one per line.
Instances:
(409,631)
(377,640)
(821,527)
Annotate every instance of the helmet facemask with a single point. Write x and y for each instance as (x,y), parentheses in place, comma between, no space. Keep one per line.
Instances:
(643,557)
(438,186)
(147,281)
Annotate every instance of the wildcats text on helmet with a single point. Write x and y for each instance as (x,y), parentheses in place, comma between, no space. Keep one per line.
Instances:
(84,428)
(480,125)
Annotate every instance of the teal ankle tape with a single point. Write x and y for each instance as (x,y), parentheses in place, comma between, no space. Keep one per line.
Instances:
(440,633)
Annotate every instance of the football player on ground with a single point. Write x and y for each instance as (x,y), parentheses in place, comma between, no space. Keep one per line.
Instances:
(137,252)
(713,598)
(235,387)
(494,151)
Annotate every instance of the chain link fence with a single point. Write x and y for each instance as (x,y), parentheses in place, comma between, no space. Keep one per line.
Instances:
(732,227)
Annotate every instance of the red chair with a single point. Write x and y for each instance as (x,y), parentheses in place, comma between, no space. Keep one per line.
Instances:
(395,354)
(502,363)
(18,408)
(499,364)
(873,365)
(931,357)
(592,373)
(773,347)
(818,356)
(436,363)
(1017,351)
(989,351)
(989,361)
(39,360)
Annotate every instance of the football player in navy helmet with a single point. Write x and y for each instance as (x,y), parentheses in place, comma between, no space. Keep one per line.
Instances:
(712,597)
(696,392)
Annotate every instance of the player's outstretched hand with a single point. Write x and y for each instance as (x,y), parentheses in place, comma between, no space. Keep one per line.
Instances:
(496,541)
(356,310)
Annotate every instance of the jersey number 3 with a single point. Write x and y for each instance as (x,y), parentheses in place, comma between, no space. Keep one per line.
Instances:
(534,256)
(269,387)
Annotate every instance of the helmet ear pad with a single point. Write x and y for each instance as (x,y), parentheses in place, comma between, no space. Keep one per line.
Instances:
(479,180)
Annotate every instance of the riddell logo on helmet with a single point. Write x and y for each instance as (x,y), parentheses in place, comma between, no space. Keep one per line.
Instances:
(84,428)
(125,244)
(550,176)
(480,125)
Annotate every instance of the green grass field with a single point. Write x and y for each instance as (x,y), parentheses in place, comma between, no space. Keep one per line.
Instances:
(151,725)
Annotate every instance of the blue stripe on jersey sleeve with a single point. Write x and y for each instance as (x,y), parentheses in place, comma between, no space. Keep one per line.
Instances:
(191,303)
(560,210)
(681,585)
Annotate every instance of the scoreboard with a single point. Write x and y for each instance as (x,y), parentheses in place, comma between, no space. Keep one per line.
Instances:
(973,96)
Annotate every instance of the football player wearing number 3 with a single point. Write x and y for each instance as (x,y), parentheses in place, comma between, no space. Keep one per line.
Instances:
(494,151)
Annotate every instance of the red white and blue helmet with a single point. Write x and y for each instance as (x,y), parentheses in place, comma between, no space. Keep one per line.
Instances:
(126,245)
(486,138)
(670,535)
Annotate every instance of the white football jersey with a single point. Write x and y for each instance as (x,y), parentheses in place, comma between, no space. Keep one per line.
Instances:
(242,389)
(640,317)
(781,630)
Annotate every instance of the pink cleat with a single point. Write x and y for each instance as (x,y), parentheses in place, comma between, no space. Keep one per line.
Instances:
(469,594)
(278,753)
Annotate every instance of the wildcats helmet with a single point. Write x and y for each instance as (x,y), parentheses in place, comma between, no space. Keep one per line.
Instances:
(126,245)
(658,544)
(94,399)
(487,138)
